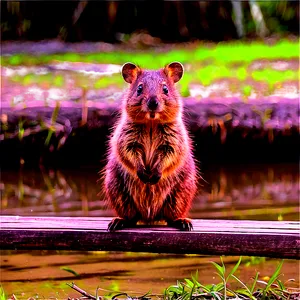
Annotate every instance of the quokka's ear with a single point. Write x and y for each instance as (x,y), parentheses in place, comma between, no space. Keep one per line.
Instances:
(174,70)
(130,72)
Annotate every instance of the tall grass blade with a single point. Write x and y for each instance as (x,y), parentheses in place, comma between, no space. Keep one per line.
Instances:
(220,269)
(275,275)
(192,291)
(69,270)
(246,290)
(272,279)
(189,283)
(216,296)
(280,284)
(2,293)
(254,283)
(234,268)
(195,279)
(223,266)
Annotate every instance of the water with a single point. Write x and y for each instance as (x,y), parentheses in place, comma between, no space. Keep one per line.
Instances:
(41,273)
(258,192)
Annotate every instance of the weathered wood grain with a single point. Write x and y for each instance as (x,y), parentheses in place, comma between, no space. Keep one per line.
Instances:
(212,237)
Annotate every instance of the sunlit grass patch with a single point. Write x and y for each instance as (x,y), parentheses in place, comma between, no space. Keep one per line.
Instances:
(58,81)
(184,84)
(15,60)
(247,52)
(247,89)
(185,91)
(208,74)
(274,76)
(29,79)
(45,80)
(73,57)
(106,81)
(48,80)
(204,64)
(241,73)
(2,294)
(221,53)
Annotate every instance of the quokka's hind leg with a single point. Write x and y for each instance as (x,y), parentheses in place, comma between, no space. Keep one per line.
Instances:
(125,208)
(120,200)
(183,224)
(127,213)
(178,203)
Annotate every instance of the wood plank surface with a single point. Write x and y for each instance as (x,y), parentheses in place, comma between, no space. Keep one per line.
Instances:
(212,237)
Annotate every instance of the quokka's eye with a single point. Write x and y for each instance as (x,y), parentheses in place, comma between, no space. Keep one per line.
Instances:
(139,89)
(165,89)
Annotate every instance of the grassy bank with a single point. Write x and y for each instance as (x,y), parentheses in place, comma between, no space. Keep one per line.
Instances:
(230,286)
(247,67)
(221,53)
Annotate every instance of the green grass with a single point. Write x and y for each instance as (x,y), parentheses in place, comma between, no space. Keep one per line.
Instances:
(222,53)
(208,74)
(105,81)
(42,80)
(192,288)
(244,52)
(204,65)
(229,287)
(274,76)
(50,80)
(205,76)
(247,90)
(2,294)
(241,73)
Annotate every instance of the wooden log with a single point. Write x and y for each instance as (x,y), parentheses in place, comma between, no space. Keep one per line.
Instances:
(211,237)
(230,112)
(221,132)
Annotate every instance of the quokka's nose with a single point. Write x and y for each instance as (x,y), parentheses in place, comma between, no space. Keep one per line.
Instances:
(152,103)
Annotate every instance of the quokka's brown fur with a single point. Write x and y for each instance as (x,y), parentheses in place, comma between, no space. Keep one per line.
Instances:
(150,173)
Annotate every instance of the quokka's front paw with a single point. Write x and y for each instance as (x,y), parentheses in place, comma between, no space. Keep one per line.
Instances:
(147,176)
(155,176)
(143,174)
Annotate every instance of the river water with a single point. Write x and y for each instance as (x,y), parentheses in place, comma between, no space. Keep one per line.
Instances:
(245,192)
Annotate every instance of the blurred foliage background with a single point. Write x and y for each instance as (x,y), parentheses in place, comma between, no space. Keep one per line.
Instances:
(146,21)
(60,93)
(61,83)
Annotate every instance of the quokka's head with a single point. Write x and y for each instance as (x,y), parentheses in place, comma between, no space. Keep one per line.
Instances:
(152,94)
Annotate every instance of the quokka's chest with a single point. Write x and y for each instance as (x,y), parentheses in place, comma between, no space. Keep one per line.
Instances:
(152,142)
